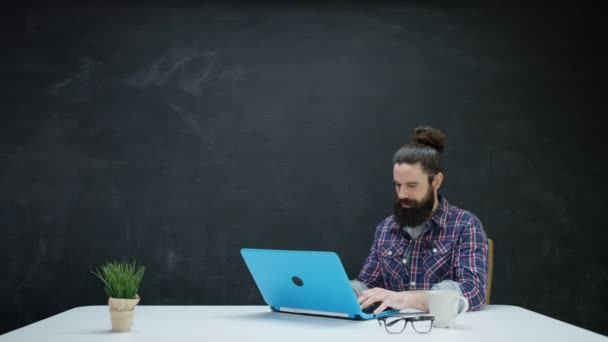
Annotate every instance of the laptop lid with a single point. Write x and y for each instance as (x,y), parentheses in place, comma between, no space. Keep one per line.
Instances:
(307,282)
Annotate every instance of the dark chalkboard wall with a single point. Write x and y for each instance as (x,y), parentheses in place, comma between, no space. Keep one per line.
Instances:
(178,133)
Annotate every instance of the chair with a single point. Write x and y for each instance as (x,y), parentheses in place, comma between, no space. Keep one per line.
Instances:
(490,269)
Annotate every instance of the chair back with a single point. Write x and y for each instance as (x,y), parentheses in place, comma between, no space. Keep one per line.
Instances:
(490,269)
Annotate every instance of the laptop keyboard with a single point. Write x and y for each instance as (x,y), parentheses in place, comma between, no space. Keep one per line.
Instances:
(370,309)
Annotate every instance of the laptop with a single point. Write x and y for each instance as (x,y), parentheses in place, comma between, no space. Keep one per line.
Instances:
(305,282)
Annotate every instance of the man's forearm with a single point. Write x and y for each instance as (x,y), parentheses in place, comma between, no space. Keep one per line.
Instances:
(418,300)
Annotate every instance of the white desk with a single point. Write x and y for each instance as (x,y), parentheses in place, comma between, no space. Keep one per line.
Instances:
(258,323)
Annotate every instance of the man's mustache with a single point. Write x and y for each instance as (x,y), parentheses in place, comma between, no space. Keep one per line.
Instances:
(408,201)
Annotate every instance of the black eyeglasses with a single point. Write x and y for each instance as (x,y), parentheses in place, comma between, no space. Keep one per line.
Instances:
(396,324)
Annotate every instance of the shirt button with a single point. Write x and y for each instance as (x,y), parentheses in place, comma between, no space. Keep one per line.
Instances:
(434,250)
(405,261)
(390,252)
(413,283)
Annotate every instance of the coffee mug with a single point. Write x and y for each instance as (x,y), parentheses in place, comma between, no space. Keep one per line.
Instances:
(444,304)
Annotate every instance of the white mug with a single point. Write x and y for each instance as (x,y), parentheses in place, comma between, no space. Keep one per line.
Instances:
(444,304)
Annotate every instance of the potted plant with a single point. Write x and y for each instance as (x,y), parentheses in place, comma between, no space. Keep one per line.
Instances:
(121,281)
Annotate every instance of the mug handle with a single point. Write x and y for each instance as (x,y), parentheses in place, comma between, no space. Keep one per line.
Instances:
(465,307)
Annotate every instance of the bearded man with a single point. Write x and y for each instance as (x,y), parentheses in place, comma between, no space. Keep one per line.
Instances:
(427,244)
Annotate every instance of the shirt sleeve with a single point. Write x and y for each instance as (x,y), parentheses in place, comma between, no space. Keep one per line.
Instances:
(471,264)
(358,287)
(448,285)
(370,273)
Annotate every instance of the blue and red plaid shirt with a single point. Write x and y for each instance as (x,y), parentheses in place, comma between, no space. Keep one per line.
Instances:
(453,246)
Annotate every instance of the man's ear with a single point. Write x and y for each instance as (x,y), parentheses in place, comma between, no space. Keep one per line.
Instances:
(438,180)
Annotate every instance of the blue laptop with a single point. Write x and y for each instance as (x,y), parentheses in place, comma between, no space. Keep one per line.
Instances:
(305,282)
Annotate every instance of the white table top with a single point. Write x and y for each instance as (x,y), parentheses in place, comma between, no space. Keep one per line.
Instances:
(256,323)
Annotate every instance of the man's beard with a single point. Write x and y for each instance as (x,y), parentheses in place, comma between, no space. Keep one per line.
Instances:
(417,213)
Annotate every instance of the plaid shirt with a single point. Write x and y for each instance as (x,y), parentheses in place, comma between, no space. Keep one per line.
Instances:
(453,247)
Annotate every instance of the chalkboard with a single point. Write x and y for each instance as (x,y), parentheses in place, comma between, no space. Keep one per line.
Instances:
(178,133)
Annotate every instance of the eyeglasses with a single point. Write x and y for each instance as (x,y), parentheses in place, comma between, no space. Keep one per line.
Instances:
(396,324)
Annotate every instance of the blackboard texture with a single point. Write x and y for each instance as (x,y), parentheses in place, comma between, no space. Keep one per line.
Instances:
(178,133)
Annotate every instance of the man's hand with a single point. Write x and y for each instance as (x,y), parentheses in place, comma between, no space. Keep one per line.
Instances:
(386,298)
(396,300)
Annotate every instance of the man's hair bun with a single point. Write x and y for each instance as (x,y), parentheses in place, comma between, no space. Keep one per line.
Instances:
(429,136)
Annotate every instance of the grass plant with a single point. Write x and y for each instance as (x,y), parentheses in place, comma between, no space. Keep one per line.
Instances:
(121,279)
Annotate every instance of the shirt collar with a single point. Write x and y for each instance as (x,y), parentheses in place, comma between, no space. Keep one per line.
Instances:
(440,217)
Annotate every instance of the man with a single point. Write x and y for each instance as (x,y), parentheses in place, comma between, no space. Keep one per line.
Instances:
(428,244)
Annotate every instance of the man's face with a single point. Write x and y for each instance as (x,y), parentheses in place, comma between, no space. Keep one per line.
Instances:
(415,195)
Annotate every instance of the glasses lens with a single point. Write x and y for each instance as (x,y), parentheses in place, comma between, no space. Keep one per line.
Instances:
(395,325)
(422,325)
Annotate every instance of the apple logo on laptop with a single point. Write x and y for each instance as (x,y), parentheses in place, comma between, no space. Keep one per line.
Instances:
(296,280)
